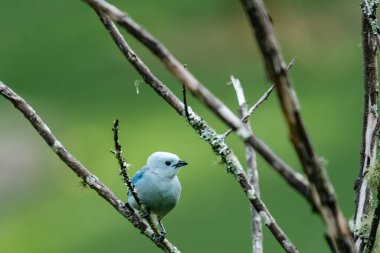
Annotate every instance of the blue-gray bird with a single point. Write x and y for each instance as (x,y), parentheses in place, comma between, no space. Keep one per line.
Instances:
(157,185)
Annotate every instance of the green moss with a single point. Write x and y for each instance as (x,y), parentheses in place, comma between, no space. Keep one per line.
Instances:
(373,176)
(376,247)
(365,227)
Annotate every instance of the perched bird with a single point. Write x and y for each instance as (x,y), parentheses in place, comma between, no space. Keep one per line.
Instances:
(157,185)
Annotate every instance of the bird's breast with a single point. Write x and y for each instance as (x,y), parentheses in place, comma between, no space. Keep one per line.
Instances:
(160,196)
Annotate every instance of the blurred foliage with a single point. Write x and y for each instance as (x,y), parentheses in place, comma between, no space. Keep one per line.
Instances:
(57,55)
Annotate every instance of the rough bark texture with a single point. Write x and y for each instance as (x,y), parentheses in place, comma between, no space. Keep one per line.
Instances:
(370,130)
(322,190)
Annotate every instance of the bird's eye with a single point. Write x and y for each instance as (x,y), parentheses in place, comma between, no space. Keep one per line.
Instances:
(168,163)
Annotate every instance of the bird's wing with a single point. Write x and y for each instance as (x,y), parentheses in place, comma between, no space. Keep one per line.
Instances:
(139,174)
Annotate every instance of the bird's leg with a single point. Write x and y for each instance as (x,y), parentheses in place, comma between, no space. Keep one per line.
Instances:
(158,237)
(145,213)
(163,231)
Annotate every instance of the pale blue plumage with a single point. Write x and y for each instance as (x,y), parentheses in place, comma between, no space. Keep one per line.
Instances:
(157,184)
(139,174)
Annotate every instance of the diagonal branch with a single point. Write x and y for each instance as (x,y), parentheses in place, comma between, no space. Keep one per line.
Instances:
(294,179)
(251,110)
(322,189)
(252,172)
(248,113)
(205,132)
(173,65)
(244,118)
(80,170)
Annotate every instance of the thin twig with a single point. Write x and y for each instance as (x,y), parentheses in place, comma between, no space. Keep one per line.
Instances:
(252,172)
(264,96)
(185,102)
(80,170)
(295,179)
(185,99)
(206,133)
(248,113)
(363,201)
(123,165)
(258,103)
(127,180)
(322,189)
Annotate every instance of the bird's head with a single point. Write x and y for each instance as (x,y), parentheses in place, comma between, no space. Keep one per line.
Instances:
(166,164)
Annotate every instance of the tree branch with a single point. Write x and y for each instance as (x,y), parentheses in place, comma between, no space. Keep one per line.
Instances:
(244,118)
(368,159)
(252,172)
(322,190)
(80,170)
(204,131)
(233,166)
(294,179)
(127,180)
(124,166)
(248,113)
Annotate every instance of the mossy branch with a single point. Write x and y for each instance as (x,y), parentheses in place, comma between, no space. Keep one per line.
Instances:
(123,171)
(366,184)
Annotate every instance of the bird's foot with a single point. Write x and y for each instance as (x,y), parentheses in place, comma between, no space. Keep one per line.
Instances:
(145,213)
(160,237)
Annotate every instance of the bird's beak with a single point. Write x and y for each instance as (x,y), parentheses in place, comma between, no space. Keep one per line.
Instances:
(180,164)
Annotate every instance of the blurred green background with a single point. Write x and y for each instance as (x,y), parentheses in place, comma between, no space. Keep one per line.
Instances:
(57,55)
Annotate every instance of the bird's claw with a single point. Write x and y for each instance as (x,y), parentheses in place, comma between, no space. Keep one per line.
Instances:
(161,237)
(145,214)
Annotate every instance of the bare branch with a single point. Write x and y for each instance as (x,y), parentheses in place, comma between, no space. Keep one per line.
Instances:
(322,189)
(258,103)
(252,172)
(248,113)
(264,97)
(205,132)
(185,102)
(80,170)
(370,39)
(296,180)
